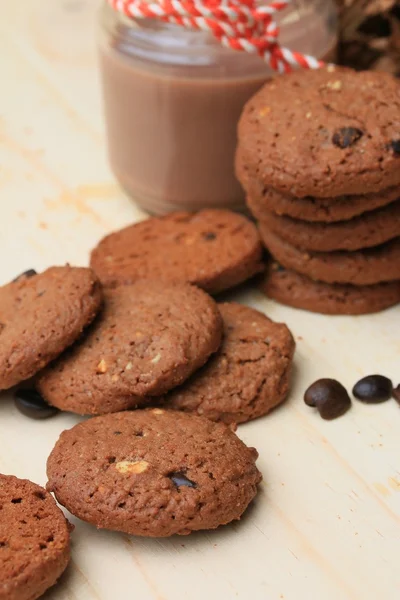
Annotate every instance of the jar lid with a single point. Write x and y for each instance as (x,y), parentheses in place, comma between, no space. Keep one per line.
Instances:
(245,25)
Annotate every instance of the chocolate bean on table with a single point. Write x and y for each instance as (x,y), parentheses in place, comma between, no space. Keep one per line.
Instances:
(329,397)
(31,404)
(396,393)
(373,389)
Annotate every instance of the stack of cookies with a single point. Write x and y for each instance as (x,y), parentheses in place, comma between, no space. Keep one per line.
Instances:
(319,159)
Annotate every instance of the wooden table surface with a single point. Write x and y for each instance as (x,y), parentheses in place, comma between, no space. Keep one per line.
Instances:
(326,522)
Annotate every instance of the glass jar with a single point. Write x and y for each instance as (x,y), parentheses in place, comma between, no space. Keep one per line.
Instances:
(173,97)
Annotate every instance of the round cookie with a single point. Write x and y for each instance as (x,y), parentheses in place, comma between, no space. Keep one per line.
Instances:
(298,291)
(261,198)
(371,229)
(40,316)
(149,338)
(214,249)
(34,540)
(153,473)
(362,267)
(247,377)
(324,133)
(318,210)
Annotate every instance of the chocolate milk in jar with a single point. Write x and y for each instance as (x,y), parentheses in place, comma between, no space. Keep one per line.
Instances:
(173,97)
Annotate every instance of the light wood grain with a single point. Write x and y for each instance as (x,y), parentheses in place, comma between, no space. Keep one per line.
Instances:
(326,524)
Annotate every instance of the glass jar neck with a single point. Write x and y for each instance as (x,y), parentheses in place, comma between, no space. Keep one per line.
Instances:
(308,26)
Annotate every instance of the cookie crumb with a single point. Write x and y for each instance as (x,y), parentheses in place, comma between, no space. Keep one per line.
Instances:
(336,86)
(156,359)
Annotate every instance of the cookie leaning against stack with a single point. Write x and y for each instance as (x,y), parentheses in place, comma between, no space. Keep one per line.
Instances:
(319,159)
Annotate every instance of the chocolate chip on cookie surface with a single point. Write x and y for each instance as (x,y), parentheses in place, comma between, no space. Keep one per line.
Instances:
(34,540)
(247,377)
(40,316)
(214,249)
(149,338)
(153,472)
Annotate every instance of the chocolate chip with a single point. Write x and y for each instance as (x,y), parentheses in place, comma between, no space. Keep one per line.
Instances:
(277,267)
(329,397)
(31,404)
(396,393)
(395,146)
(373,389)
(180,479)
(27,274)
(209,235)
(346,136)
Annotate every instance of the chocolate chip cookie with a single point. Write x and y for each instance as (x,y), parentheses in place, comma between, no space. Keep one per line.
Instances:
(296,290)
(153,473)
(40,316)
(247,377)
(149,338)
(362,267)
(214,249)
(320,210)
(324,133)
(371,229)
(34,540)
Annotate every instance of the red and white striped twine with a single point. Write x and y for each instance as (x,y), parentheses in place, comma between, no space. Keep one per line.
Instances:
(237,24)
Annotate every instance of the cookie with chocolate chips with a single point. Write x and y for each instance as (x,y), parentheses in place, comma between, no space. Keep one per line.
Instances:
(34,540)
(41,315)
(214,249)
(323,133)
(247,377)
(153,473)
(149,338)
